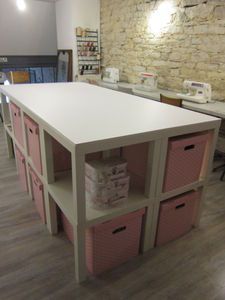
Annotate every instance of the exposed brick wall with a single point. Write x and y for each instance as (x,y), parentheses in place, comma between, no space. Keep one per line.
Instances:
(191,46)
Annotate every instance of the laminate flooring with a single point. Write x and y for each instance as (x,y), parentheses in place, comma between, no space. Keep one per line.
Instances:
(35,265)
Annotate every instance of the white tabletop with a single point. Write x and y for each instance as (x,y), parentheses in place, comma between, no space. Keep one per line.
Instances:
(86,113)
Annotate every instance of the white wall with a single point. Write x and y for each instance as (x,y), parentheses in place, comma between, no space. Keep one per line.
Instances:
(30,32)
(86,13)
(64,24)
(71,14)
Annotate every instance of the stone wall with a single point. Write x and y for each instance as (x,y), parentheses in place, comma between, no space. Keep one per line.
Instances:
(191,45)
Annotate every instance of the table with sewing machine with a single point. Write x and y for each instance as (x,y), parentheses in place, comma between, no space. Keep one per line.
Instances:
(213,108)
(197,98)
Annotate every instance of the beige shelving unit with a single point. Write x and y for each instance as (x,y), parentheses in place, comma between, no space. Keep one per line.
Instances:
(87,119)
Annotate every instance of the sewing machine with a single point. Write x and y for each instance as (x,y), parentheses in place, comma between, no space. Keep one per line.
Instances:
(198,92)
(111,75)
(148,82)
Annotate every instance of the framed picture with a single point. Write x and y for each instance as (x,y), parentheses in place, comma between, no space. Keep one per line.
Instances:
(64,66)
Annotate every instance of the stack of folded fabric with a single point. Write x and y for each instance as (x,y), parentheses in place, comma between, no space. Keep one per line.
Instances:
(106,182)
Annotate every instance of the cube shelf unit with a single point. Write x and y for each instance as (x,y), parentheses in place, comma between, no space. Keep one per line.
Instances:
(88,53)
(137,126)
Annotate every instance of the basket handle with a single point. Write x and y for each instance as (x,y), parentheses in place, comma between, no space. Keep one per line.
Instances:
(180,206)
(120,229)
(189,147)
(39,186)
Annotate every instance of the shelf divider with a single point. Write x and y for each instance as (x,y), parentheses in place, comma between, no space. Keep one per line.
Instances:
(79,209)
(48,176)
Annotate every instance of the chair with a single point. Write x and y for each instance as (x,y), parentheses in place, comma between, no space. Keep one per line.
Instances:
(18,77)
(171,101)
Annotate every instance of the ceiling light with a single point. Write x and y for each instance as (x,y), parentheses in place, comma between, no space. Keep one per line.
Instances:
(21,5)
(160,18)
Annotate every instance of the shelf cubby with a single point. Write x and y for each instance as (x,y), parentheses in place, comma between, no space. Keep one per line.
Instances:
(135,201)
(61,192)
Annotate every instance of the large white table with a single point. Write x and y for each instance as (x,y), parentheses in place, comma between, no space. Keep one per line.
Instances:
(86,119)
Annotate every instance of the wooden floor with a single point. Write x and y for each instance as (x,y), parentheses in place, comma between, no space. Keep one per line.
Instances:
(35,265)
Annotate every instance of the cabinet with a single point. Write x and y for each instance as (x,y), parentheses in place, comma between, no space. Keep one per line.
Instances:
(93,122)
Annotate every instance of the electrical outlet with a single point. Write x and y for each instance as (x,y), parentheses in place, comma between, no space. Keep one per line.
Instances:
(3,59)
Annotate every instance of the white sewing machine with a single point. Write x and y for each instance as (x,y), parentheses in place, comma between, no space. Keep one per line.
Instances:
(111,75)
(148,82)
(198,92)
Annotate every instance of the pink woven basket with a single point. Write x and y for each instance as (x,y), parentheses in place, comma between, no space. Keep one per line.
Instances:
(176,217)
(184,160)
(17,123)
(33,142)
(38,195)
(111,243)
(21,167)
